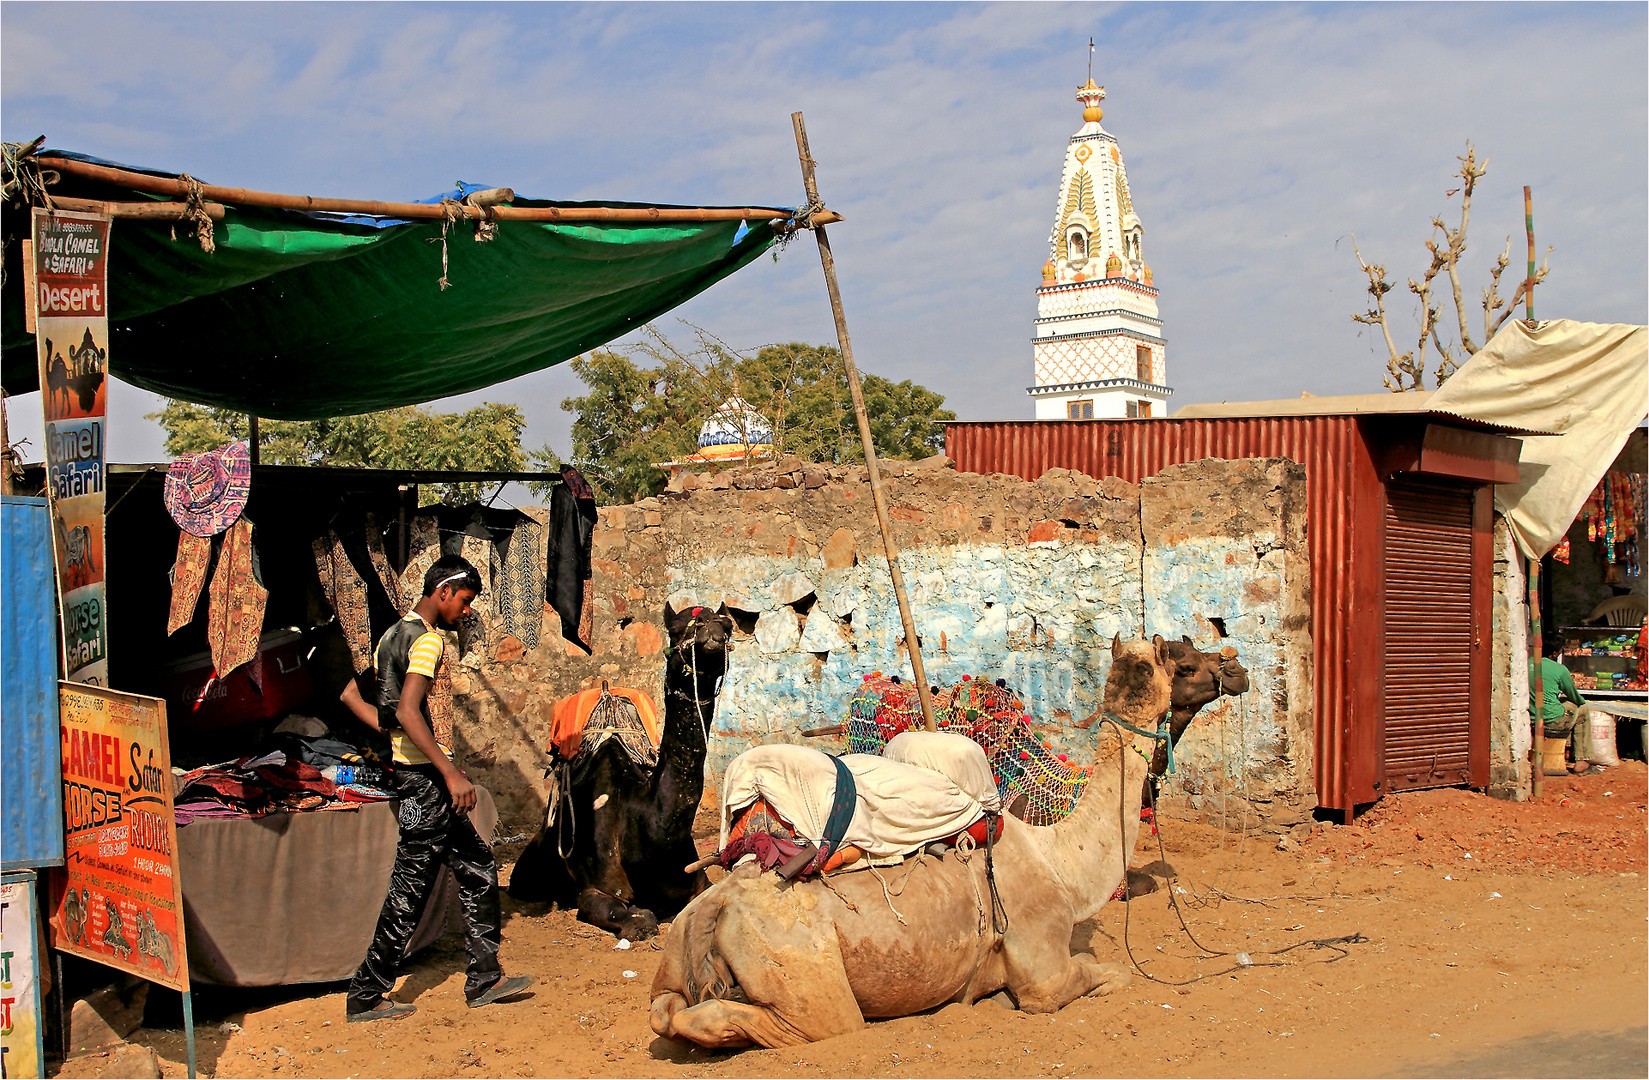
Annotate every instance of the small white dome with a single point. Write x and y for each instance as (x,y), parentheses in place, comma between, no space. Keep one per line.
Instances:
(736,423)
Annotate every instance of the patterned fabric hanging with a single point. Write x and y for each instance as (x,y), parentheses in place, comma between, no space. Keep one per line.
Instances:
(518,583)
(194,555)
(346,592)
(235,602)
(474,627)
(423,548)
(380,563)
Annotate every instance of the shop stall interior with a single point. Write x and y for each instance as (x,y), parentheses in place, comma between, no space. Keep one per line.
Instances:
(1593,594)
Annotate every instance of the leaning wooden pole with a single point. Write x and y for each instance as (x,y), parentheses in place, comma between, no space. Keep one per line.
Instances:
(1537,688)
(1528,282)
(877,495)
(1537,646)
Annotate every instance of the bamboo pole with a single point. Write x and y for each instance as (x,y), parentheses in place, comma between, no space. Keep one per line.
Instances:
(166,185)
(153,211)
(878,496)
(1537,689)
(1528,281)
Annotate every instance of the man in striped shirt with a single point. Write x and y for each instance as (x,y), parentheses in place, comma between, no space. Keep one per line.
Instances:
(435,800)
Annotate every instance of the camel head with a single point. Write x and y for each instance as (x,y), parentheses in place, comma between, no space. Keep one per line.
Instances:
(1139,686)
(699,637)
(1200,677)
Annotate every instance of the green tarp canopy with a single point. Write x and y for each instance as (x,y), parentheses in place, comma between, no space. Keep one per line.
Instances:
(299,316)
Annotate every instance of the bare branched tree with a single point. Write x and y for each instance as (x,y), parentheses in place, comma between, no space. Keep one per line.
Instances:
(1407,370)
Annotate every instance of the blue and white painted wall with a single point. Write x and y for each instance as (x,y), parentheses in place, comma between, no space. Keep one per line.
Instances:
(1007,579)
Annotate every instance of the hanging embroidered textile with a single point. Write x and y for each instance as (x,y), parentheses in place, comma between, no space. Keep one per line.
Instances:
(423,548)
(194,557)
(380,563)
(518,583)
(474,627)
(346,592)
(235,602)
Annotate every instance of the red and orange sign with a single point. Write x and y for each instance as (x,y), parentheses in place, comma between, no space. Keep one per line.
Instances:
(117,899)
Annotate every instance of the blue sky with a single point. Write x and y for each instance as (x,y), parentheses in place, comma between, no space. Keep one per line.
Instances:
(1257,138)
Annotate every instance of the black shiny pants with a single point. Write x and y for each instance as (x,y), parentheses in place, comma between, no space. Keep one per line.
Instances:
(431,834)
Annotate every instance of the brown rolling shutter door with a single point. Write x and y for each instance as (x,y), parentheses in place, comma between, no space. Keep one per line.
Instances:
(1428,634)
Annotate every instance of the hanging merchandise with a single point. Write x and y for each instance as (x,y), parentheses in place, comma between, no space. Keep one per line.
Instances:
(346,592)
(205,493)
(518,583)
(423,548)
(235,603)
(194,557)
(572,532)
(474,627)
(1561,552)
(365,593)
(398,600)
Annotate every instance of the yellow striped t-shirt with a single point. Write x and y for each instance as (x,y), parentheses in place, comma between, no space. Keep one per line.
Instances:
(422,659)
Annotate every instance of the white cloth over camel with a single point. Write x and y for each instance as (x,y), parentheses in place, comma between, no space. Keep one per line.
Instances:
(956,756)
(898,808)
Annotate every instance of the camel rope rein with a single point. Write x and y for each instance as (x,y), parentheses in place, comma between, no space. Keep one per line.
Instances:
(1338,944)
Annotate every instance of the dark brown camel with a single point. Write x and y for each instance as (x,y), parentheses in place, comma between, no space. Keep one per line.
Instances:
(623,833)
(1199,678)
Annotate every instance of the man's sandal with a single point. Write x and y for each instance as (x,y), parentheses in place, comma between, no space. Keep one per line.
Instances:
(498,991)
(384,1010)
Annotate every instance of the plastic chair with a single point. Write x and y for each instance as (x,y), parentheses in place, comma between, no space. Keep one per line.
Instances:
(1620,611)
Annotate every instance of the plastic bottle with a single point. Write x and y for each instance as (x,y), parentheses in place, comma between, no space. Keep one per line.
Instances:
(345,775)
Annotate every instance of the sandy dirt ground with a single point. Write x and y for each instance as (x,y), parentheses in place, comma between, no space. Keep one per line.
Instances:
(1500,939)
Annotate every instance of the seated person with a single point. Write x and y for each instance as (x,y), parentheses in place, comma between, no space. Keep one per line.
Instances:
(344,699)
(1560,704)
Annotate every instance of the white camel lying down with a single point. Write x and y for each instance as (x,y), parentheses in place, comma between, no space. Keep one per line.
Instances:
(758,960)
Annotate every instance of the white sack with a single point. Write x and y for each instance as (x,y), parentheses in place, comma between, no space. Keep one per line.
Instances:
(898,809)
(958,757)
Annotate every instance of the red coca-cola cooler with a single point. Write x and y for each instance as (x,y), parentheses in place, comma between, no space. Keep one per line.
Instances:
(196,701)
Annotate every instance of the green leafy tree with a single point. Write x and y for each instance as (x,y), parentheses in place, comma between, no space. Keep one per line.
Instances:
(646,405)
(485,438)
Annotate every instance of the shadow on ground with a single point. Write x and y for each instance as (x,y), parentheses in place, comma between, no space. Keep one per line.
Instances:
(1623,1053)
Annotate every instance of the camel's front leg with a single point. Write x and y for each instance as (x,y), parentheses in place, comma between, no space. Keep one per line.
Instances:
(615,916)
(1043,975)
(1077,975)
(717,1023)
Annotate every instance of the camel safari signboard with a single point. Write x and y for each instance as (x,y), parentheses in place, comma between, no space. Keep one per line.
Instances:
(70,301)
(117,899)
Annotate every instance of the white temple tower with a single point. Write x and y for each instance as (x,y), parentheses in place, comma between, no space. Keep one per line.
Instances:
(1099,348)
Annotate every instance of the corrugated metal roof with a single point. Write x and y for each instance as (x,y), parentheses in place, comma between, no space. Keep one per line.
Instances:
(1413,403)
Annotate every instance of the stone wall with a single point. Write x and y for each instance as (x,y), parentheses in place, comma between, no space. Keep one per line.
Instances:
(1509,733)
(1008,579)
(1226,564)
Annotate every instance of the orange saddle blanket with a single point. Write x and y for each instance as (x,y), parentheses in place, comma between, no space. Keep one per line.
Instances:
(572,716)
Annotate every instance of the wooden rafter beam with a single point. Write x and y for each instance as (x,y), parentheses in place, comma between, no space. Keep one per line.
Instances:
(180,189)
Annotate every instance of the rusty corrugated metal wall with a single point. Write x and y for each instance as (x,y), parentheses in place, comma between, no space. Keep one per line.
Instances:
(1428,630)
(1338,470)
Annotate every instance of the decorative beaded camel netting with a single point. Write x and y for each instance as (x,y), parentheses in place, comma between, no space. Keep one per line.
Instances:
(989,714)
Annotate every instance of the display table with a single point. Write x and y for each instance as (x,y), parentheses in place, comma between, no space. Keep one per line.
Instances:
(1621,704)
(294,898)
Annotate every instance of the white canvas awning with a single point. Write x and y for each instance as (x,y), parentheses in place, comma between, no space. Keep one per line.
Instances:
(1589,381)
